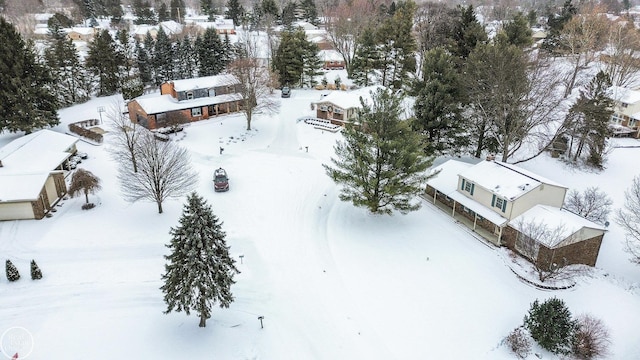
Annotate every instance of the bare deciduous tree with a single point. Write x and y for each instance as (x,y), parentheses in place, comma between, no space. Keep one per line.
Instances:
(519,342)
(533,233)
(164,171)
(591,339)
(592,204)
(621,63)
(346,22)
(255,80)
(629,218)
(84,182)
(581,38)
(125,136)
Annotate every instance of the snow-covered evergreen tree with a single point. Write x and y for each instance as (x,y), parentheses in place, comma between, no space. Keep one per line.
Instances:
(551,325)
(163,59)
(36,273)
(12,271)
(210,52)
(27,100)
(200,271)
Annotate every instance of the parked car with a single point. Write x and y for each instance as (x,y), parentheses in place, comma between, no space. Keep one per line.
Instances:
(286,92)
(220,180)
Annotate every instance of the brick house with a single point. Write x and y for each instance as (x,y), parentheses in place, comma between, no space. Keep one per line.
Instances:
(31,174)
(626,112)
(331,60)
(195,99)
(341,107)
(503,202)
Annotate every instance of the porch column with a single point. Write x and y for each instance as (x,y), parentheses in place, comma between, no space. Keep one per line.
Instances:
(475,219)
(453,210)
(500,235)
(435,193)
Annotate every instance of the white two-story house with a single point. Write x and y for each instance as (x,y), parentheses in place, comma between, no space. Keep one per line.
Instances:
(497,200)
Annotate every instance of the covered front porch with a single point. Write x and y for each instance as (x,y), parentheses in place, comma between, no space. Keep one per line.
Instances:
(473,215)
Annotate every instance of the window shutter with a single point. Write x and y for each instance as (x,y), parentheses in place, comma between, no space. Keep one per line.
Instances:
(493,200)
(472,187)
(504,205)
(462,187)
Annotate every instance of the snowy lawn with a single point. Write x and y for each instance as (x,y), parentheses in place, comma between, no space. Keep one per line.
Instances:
(331,280)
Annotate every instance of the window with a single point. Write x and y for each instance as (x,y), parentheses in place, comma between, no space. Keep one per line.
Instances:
(189,95)
(617,118)
(212,92)
(196,112)
(499,203)
(624,105)
(467,187)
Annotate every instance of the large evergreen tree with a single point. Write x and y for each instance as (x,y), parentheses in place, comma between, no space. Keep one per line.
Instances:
(551,325)
(200,271)
(177,11)
(163,61)
(27,99)
(294,57)
(366,58)
(381,163)
(104,62)
(468,33)
(211,56)
(518,32)
(68,72)
(235,11)
(438,104)
(589,120)
(185,56)
(398,45)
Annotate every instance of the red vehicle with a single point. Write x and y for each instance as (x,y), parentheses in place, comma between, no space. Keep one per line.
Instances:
(220,180)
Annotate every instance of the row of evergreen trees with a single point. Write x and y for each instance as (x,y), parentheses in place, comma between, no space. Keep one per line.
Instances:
(14,275)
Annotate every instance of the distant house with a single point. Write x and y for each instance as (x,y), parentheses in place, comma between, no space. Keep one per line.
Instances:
(626,111)
(331,60)
(82,33)
(341,107)
(196,99)
(170,27)
(221,25)
(32,175)
(498,201)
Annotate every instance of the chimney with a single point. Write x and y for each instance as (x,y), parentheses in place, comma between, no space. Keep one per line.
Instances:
(491,157)
(1,163)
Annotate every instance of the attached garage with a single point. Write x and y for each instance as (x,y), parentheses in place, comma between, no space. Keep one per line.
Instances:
(16,211)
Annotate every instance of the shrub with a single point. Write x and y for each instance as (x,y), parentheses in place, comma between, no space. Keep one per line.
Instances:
(591,339)
(12,271)
(551,326)
(519,343)
(88,206)
(36,273)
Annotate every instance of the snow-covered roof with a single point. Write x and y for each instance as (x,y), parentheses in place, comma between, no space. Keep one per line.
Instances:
(304,25)
(349,99)
(154,103)
(330,55)
(15,188)
(625,95)
(44,17)
(504,179)
(143,29)
(204,82)
(81,30)
(446,182)
(38,152)
(553,218)
(171,27)
(191,18)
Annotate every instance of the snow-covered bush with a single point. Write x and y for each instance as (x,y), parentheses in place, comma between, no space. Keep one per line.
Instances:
(519,343)
(12,271)
(36,273)
(591,338)
(551,326)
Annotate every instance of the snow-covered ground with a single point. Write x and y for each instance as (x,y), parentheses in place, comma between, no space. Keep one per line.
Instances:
(331,280)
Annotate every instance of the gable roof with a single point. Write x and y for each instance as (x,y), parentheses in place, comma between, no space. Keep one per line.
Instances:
(204,82)
(504,179)
(624,95)
(163,103)
(446,182)
(38,152)
(330,55)
(14,188)
(566,222)
(349,99)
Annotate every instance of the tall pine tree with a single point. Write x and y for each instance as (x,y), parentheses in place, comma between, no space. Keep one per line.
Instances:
(211,56)
(27,100)
(551,325)
(104,62)
(235,11)
(164,56)
(380,164)
(68,72)
(200,271)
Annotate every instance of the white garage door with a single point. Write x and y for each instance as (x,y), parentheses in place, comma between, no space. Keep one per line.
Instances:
(16,211)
